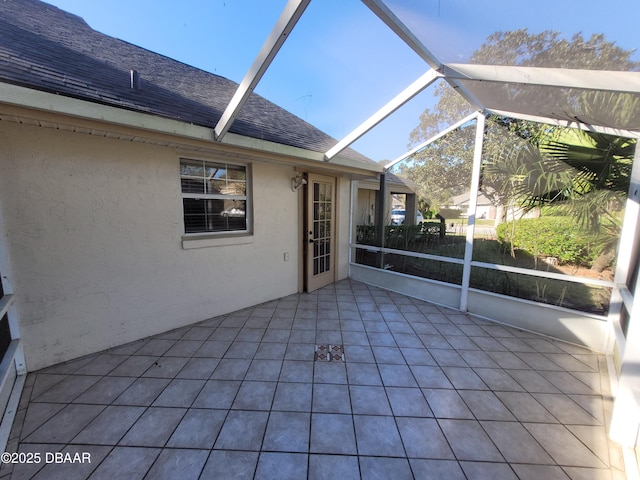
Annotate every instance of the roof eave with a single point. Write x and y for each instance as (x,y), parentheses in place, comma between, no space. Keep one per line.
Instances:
(73,107)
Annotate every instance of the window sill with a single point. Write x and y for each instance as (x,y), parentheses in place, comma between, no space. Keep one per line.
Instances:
(203,241)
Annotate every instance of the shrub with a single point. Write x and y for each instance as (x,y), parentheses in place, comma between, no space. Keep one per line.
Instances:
(402,237)
(558,237)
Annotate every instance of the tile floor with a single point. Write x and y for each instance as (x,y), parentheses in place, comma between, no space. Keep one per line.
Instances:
(423,392)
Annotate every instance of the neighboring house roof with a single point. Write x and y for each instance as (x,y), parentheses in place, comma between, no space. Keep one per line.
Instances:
(48,49)
(463,200)
(395,184)
(394,181)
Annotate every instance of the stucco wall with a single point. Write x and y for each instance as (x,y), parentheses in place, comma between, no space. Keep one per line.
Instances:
(365,211)
(94,230)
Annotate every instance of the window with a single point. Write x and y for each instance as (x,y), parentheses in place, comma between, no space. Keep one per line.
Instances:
(214,196)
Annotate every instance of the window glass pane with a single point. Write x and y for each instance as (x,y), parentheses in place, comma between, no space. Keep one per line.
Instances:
(192,168)
(234,215)
(219,179)
(216,171)
(195,218)
(235,188)
(235,172)
(192,185)
(203,215)
(216,186)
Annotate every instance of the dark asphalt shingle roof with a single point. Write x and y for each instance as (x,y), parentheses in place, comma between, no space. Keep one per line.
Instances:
(48,49)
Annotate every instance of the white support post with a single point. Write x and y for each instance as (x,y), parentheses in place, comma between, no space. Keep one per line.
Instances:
(403,97)
(13,367)
(625,420)
(565,122)
(627,82)
(7,304)
(473,202)
(352,208)
(625,255)
(283,27)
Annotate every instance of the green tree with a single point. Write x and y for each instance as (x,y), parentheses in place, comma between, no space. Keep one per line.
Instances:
(586,175)
(520,47)
(532,164)
(442,170)
(596,193)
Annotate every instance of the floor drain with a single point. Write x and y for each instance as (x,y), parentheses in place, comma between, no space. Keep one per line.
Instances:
(328,353)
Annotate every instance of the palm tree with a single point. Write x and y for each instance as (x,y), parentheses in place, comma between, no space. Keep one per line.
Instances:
(586,174)
(599,189)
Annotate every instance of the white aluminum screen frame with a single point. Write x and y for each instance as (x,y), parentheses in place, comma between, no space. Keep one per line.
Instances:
(13,360)
(281,30)
(625,419)
(474,191)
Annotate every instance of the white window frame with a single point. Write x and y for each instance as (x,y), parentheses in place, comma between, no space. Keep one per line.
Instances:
(218,196)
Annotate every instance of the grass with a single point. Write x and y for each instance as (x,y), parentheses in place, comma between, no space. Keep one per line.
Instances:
(555,292)
(481,222)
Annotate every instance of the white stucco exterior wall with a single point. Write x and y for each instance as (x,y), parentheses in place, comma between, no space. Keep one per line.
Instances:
(94,230)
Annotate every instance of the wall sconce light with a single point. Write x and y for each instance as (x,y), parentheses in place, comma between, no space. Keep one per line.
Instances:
(297,182)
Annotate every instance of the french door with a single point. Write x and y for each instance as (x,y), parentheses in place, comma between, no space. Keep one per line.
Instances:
(320,231)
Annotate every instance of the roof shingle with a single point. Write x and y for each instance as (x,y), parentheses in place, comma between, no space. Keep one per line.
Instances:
(48,49)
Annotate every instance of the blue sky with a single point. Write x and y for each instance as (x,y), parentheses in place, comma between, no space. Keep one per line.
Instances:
(341,63)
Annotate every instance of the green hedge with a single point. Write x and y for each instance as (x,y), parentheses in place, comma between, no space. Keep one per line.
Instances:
(558,237)
(400,236)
